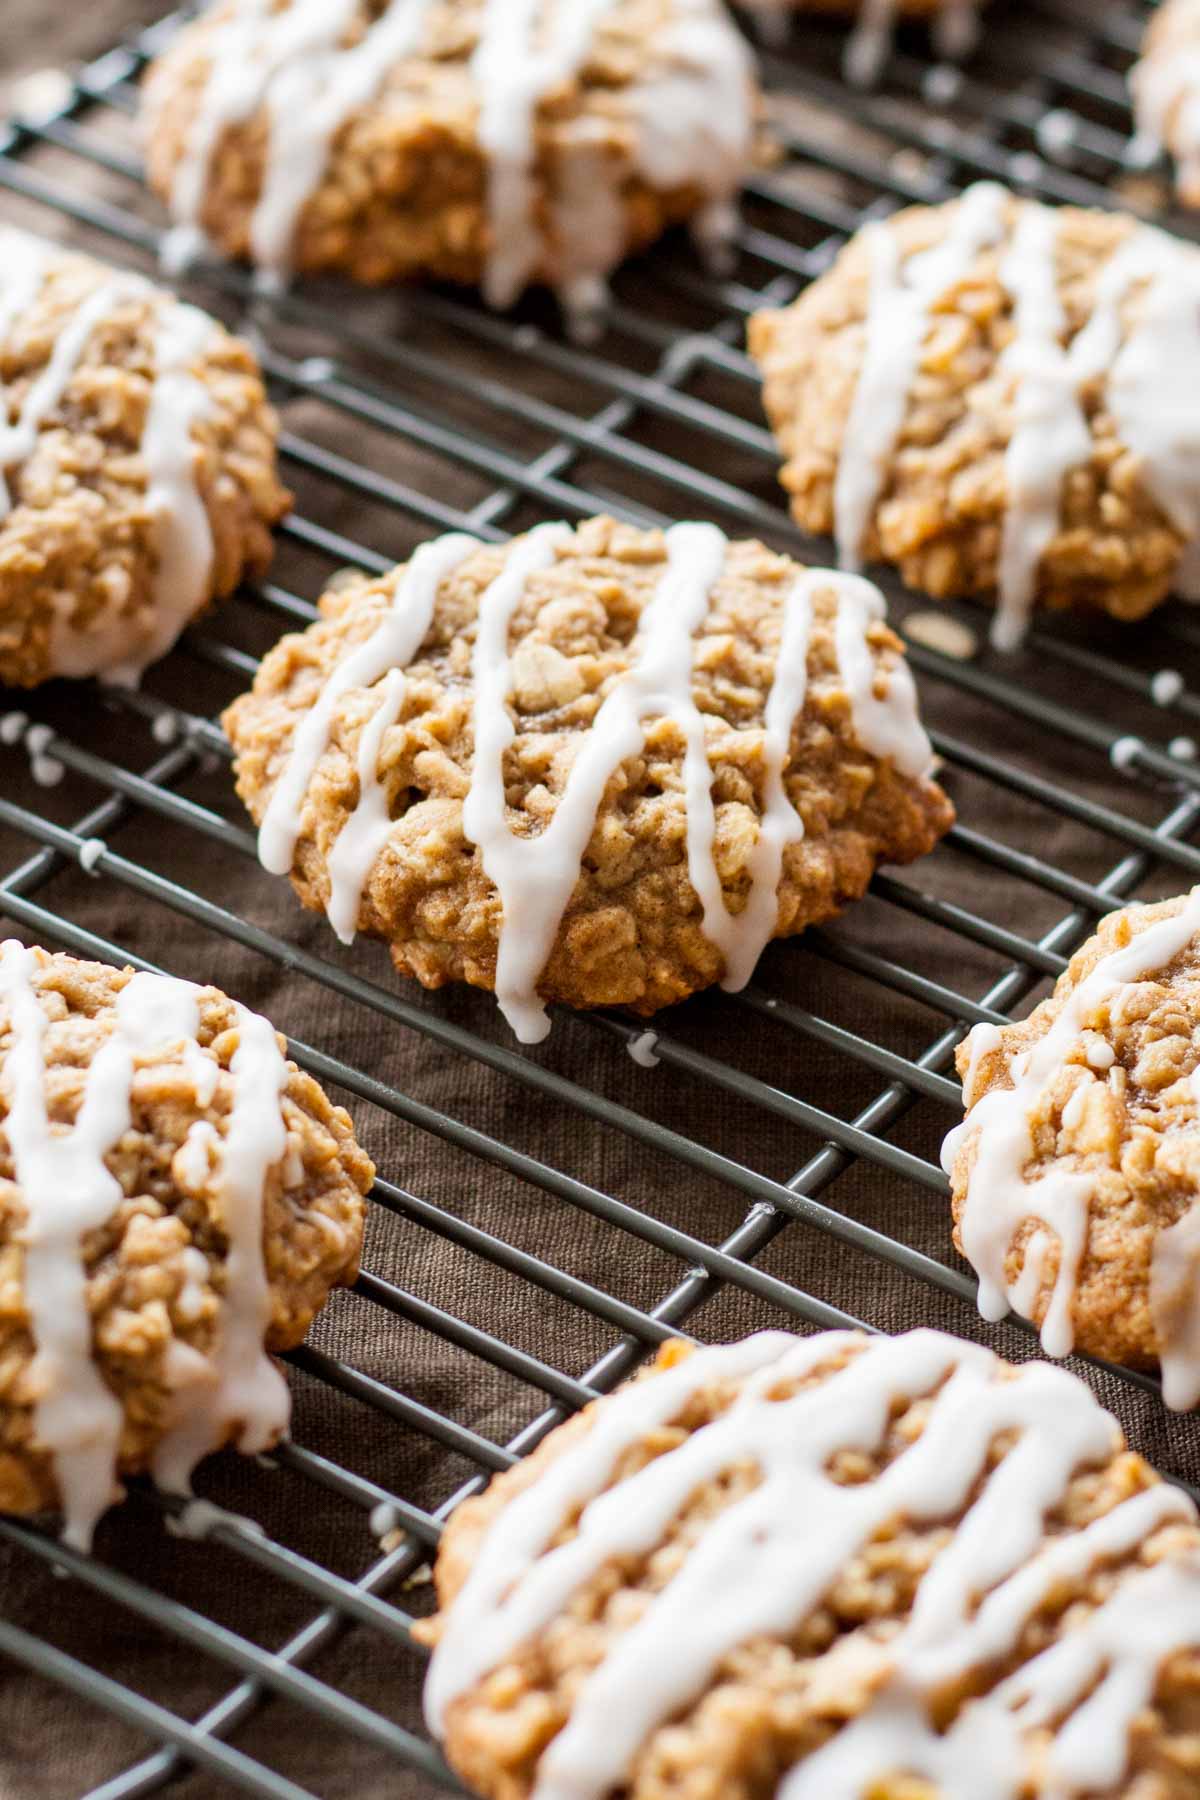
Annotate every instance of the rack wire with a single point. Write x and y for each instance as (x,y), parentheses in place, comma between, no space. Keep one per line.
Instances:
(408,414)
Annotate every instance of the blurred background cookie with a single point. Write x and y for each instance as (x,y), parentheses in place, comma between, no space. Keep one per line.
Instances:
(138,476)
(479,141)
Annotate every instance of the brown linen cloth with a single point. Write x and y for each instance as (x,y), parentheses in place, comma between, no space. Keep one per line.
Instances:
(52,1746)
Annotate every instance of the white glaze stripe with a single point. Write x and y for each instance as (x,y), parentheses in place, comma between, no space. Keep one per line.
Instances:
(363,836)
(1050,434)
(67,1190)
(19,438)
(764,1563)
(393,644)
(899,306)
(999,1199)
(245,1393)
(311,96)
(513,73)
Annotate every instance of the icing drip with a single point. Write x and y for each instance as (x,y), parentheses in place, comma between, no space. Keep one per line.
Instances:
(999,1199)
(535,876)
(1149,369)
(900,302)
(887,726)
(393,644)
(514,73)
(120,644)
(692,115)
(243,1393)
(1050,434)
(765,1563)
(68,1191)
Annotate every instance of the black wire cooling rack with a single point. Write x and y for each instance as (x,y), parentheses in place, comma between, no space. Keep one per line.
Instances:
(421,412)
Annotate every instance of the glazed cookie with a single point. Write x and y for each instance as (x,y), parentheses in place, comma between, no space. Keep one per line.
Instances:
(603,766)
(822,1569)
(496,142)
(954,25)
(1166,91)
(1076,1172)
(993,396)
(174,1195)
(137,466)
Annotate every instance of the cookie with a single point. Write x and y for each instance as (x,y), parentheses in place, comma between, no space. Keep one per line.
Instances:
(603,766)
(1076,1172)
(954,25)
(138,479)
(822,1569)
(1165,84)
(176,1200)
(499,143)
(993,396)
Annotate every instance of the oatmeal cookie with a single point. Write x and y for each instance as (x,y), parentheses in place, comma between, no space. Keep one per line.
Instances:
(482,141)
(993,395)
(174,1196)
(137,466)
(602,765)
(1166,91)
(1076,1172)
(826,1566)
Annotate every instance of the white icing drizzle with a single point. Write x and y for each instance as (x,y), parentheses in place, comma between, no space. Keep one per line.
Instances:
(901,297)
(245,1395)
(514,72)
(18,437)
(765,1563)
(1150,367)
(535,876)
(67,1191)
(999,1199)
(692,114)
(122,643)
(1050,434)
(393,644)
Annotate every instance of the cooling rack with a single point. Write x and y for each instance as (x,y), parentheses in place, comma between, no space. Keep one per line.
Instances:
(778,1160)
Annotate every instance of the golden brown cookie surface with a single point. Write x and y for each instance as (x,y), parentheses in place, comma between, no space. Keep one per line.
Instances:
(837,1565)
(1076,1173)
(981,394)
(174,1196)
(137,466)
(688,746)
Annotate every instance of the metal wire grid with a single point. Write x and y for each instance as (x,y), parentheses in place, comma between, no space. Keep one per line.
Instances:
(674,414)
